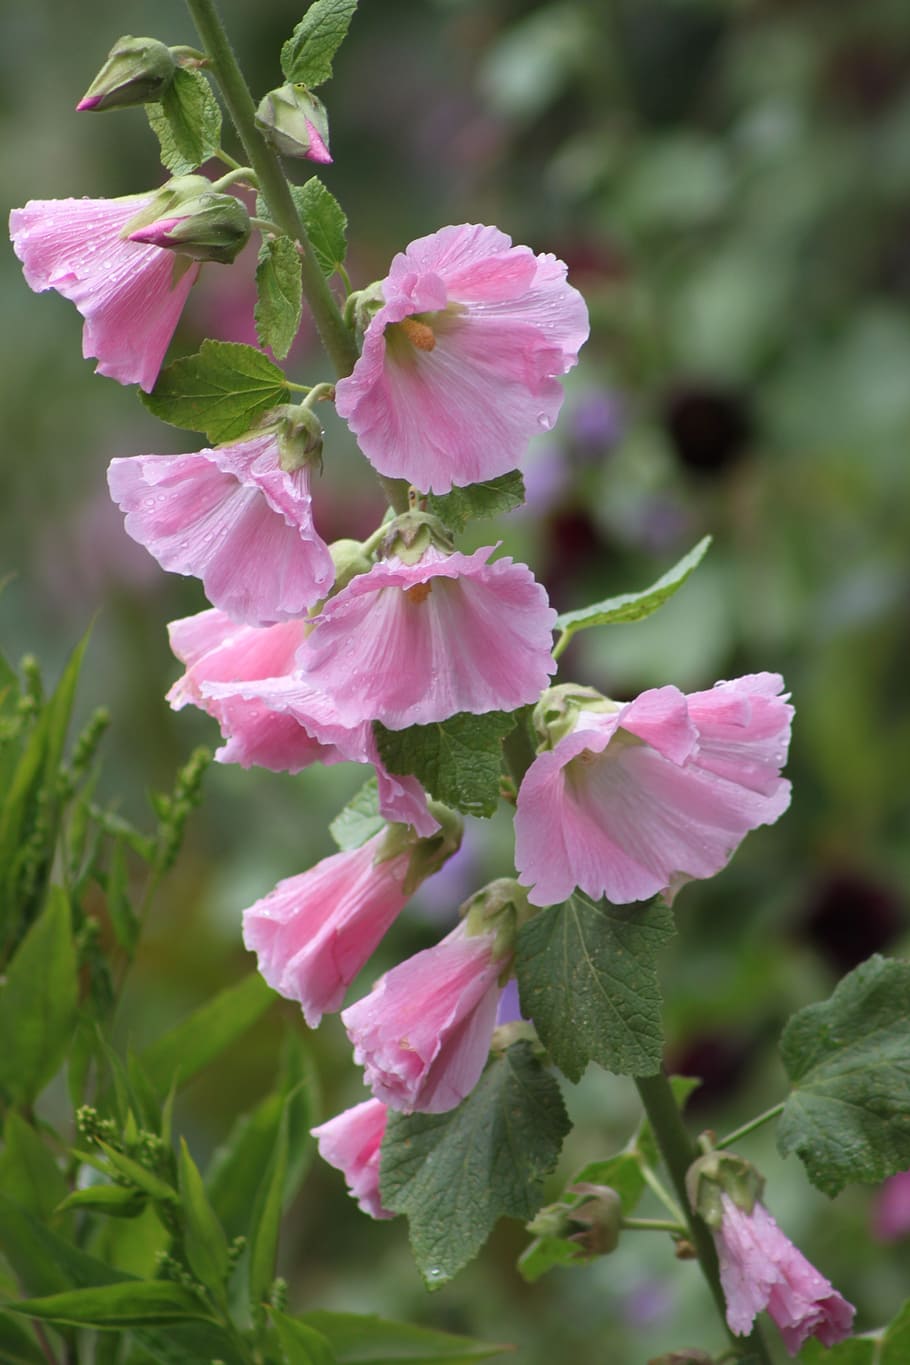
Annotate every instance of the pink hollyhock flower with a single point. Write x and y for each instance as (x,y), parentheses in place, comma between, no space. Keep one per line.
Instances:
(423,1033)
(459,365)
(761,1268)
(131,295)
(409,644)
(234,518)
(314,932)
(351,1143)
(891,1213)
(657,792)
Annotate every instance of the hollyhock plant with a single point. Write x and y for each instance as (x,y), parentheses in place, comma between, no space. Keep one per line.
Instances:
(459,364)
(643,797)
(413,643)
(234,517)
(761,1268)
(423,1032)
(131,295)
(351,1143)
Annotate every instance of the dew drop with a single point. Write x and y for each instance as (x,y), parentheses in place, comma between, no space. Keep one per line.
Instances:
(434,1274)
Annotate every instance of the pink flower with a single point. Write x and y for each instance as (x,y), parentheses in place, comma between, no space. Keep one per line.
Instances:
(234,518)
(659,791)
(409,644)
(761,1268)
(458,365)
(891,1212)
(130,295)
(351,1143)
(314,932)
(423,1033)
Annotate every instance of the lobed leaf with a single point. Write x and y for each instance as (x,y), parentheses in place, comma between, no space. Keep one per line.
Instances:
(279,295)
(306,57)
(488,499)
(325,222)
(186,122)
(458,760)
(224,390)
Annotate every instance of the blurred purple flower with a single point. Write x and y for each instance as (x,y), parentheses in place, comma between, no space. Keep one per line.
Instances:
(509,1011)
(596,423)
(891,1210)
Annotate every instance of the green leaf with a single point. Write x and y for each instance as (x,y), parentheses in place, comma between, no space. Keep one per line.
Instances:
(587,976)
(187,1343)
(198,1040)
(266,1220)
(203,1236)
(152,1185)
(853,1351)
(38,1003)
(130,1303)
(458,760)
(360,819)
(301,1344)
(28,1172)
(896,1345)
(187,122)
(117,1201)
(455,1174)
(17,1345)
(325,222)
(634,606)
(43,1260)
(489,499)
(279,291)
(124,920)
(848,1059)
(224,391)
(306,57)
(362,1340)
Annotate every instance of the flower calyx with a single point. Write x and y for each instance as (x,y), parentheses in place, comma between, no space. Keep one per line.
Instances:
(137,71)
(719,1173)
(295,122)
(556,714)
(500,908)
(190,217)
(426,855)
(410,535)
(593,1221)
(300,436)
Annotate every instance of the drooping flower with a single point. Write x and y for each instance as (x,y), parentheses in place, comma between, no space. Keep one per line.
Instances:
(761,1268)
(409,644)
(351,1143)
(423,1032)
(233,517)
(459,365)
(653,793)
(130,295)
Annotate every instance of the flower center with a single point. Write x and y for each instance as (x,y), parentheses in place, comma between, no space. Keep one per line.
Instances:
(418,333)
(419,593)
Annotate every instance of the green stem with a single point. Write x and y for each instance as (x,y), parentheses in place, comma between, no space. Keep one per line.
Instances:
(653,1225)
(657,1188)
(679,1150)
(750,1127)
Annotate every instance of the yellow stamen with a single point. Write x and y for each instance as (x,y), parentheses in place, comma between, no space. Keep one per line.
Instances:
(419,593)
(419,334)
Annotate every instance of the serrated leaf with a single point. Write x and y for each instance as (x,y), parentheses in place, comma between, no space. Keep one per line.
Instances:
(587,976)
(458,761)
(129,1303)
(368,1340)
(455,1174)
(38,1002)
(224,391)
(360,819)
(266,1220)
(325,222)
(848,1059)
(306,57)
(853,1351)
(199,1039)
(634,606)
(186,122)
(279,295)
(301,1343)
(203,1236)
(489,499)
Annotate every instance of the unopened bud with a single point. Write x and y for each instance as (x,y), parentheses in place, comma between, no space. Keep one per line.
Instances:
(189,217)
(556,714)
(137,71)
(716,1174)
(593,1222)
(349,560)
(300,437)
(295,122)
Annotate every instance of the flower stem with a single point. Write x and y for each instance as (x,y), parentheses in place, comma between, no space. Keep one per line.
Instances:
(750,1127)
(679,1150)
(653,1225)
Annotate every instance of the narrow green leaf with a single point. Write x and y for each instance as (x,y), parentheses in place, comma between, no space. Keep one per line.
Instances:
(458,760)
(123,918)
(130,1303)
(489,499)
(38,1002)
(587,976)
(279,295)
(360,819)
(266,1219)
(203,1236)
(198,1040)
(29,1173)
(118,1201)
(188,1343)
(848,1059)
(635,606)
(367,1340)
(301,1344)
(325,222)
(43,1260)
(306,57)
(153,1185)
(17,1344)
(455,1174)
(187,122)
(224,390)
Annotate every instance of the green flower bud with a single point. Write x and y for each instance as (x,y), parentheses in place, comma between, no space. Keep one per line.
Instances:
(295,122)
(137,71)
(719,1173)
(189,217)
(556,714)
(300,436)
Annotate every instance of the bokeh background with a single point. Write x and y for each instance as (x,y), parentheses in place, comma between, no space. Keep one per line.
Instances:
(729,181)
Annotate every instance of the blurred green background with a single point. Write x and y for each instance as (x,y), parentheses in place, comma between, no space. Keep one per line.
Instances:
(729,181)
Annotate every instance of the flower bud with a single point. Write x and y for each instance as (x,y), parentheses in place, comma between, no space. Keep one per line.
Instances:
(189,217)
(300,436)
(295,122)
(349,560)
(556,714)
(137,71)
(593,1221)
(719,1173)
(502,908)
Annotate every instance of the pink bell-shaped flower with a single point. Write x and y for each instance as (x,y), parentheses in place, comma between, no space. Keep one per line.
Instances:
(459,365)
(131,295)
(647,796)
(351,1143)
